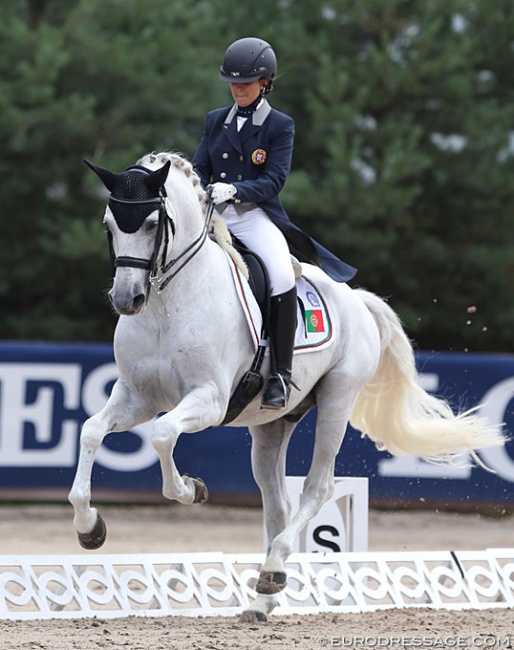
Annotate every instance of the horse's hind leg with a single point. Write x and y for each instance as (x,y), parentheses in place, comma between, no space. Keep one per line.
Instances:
(269,449)
(318,488)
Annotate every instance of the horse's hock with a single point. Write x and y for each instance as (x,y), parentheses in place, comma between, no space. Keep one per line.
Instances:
(341,525)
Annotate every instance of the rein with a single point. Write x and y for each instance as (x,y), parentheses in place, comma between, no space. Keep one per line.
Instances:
(193,249)
(165,222)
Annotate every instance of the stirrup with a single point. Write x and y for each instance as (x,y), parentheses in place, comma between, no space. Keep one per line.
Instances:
(275,393)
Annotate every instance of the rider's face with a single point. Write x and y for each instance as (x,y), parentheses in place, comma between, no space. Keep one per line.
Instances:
(245,94)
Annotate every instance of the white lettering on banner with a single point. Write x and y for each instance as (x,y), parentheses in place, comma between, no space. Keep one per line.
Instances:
(15,413)
(94,397)
(411,466)
(42,434)
(494,406)
(429,381)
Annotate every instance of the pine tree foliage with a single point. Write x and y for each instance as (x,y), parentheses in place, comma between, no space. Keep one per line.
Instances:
(404,153)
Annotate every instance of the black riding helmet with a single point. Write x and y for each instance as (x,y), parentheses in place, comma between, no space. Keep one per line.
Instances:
(248,59)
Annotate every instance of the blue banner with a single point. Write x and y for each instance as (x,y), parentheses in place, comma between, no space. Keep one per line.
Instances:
(48,390)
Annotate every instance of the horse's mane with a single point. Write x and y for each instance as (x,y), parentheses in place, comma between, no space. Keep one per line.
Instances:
(218,228)
(180,162)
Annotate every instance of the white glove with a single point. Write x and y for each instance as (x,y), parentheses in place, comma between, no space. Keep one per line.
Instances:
(221,192)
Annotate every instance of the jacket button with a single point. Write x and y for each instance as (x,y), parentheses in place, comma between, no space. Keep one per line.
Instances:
(239,177)
(225,156)
(241,158)
(223,175)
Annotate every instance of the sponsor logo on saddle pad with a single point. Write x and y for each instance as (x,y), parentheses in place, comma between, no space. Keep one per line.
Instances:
(312,298)
(314,329)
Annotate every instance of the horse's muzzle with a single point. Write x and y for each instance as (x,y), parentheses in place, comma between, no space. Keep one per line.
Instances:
(127,304)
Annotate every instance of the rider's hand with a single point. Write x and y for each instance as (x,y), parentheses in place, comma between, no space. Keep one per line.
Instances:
(221,192)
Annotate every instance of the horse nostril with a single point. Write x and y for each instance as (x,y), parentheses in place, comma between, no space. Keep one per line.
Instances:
(138,301)
(127,304)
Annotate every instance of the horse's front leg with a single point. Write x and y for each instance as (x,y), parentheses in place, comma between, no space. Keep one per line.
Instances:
(117,415)
(87,521)
(199,409)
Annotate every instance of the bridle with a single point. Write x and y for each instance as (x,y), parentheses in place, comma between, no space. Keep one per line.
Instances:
(158,265)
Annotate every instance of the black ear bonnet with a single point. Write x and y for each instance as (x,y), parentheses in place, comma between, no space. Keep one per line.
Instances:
(130,185)
(134,195)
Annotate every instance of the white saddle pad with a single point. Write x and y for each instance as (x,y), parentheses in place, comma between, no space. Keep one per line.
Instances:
(314,326)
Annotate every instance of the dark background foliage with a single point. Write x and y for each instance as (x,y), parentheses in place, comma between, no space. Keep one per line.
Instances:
(403,160)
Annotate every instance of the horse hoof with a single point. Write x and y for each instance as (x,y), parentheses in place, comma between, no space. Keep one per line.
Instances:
(271,582)
(201,491)
(94,539)
(253,617)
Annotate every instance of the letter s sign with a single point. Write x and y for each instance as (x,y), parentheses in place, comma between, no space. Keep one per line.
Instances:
(320,541)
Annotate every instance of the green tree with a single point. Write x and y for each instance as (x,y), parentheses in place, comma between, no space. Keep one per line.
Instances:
(82,79)
(403,161)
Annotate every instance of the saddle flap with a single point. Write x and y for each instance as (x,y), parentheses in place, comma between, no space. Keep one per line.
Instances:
(258,278)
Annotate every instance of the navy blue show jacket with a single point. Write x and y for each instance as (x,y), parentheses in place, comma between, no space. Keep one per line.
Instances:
(257,161)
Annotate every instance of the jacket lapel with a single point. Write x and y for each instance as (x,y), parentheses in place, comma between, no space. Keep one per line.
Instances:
(258,117)
(261,113)
(230,129)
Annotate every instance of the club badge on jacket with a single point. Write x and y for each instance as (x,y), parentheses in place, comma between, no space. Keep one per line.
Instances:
(259,157)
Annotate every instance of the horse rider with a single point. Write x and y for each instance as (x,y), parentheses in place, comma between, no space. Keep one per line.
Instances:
(243,159)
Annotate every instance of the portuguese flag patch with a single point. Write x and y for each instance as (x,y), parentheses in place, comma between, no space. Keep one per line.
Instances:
(314,319)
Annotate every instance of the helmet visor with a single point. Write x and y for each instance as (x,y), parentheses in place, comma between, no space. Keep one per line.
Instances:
(237,78)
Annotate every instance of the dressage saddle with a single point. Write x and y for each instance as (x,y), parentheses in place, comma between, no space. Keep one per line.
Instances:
(252,381)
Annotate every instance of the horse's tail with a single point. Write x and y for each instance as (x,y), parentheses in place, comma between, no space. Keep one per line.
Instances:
(401,417)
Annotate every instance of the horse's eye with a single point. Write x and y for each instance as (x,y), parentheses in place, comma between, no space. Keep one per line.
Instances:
(151,224)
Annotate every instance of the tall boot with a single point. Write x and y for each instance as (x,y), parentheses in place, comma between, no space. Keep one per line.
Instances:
(282,334)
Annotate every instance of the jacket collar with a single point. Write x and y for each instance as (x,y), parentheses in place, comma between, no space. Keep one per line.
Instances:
(237,137)
(258,116)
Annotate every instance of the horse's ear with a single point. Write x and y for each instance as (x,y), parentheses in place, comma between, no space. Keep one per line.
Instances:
(107,177)
(156,179)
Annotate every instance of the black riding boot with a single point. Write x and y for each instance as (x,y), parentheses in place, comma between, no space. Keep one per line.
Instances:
(282,334)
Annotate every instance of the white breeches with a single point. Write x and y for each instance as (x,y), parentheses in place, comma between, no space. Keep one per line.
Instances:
(258,233)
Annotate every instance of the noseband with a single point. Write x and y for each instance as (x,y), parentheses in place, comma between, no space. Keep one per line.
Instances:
(162,239)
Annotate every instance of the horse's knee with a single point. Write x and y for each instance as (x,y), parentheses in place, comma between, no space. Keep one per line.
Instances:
(161,437)
(91,436)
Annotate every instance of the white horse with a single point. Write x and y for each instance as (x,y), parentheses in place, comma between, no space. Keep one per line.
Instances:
(182,344)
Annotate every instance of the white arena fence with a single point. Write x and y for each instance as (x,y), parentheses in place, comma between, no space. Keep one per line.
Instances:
(217,584)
